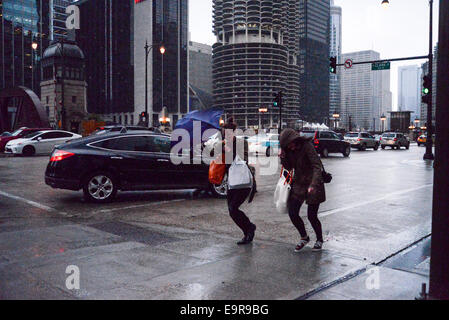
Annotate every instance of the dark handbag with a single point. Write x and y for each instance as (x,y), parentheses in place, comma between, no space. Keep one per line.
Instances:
(327,177)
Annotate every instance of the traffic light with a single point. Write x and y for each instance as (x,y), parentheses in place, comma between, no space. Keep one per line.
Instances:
(143,117)
(277,99)
(426,89)
(333,65)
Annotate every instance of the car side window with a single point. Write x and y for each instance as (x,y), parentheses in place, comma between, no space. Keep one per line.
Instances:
(335,137)
(135,143)
(49,135)
(325,135)
(159,144)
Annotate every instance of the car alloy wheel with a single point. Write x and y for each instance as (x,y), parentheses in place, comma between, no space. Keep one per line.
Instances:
(325,153)
(100,187)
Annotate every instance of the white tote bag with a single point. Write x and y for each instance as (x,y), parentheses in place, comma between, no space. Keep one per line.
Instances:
(282,191)
(239,176)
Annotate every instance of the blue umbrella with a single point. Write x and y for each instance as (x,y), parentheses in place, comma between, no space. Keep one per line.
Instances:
(208,119)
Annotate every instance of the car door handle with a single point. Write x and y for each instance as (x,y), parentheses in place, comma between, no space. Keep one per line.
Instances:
(163,160)
(117,158)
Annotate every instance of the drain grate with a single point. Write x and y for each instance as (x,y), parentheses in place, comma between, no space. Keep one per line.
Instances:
(131,232)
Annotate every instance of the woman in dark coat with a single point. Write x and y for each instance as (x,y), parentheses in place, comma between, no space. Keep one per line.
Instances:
(299,154)
(235,198)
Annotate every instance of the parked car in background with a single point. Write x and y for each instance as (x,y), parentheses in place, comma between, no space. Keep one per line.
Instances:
(19,133)
(362,140)
(327,142)
(394,140)
(422,139)
(135,160)
(118,128)
(267,144)
(40,142)
(5,134)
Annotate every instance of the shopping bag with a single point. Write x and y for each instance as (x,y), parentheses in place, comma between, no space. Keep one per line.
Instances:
(217,170)
(282,191)
(239,176)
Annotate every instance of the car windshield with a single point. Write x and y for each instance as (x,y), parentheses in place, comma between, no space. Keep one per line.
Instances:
(16,133)
(352,135)
(32,135)
(389,135)
(308,134)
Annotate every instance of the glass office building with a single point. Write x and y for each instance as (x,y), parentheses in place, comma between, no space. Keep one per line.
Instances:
(314,43)
(170,71)
(23,22)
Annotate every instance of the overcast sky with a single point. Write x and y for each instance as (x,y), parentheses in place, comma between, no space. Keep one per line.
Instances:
(402,30)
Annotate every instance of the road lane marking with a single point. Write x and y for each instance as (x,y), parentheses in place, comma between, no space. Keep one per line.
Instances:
(361,204)
(32,203)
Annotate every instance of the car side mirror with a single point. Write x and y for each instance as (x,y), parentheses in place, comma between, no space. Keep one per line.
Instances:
(39,139)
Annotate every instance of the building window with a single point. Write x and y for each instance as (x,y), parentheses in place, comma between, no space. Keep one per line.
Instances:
(126,119)
(73,99)
(114,119)
(132,120)
(47,98)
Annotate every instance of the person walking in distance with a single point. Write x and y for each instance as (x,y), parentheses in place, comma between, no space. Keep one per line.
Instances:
(235,198)
(298,153)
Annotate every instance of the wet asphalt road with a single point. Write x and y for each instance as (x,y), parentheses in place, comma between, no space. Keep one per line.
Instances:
(181,244)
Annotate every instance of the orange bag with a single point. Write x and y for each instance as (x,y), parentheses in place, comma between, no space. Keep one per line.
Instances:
(217,171)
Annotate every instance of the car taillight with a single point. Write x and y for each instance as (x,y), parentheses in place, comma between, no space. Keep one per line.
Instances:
(359,139)
(316,141)
(395,139)
(60,155)
(380,139)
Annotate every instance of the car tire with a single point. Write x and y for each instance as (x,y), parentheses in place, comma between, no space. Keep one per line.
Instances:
(363,147)
(28,151)
(383,147)
(407,147)
(346,152)
(419,144)
(268,153)
(108,183)
(325,153)
(376,147)
(220,191)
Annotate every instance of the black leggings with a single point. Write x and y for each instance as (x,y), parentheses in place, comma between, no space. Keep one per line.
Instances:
(294,206)
(235,200)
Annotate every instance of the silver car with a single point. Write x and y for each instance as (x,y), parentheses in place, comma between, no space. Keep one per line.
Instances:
(394,140)
(361,140)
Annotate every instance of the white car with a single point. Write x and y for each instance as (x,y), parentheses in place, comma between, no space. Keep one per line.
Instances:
(40,142)
(264,144)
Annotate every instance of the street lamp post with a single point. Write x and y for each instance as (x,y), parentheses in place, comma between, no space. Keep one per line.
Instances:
(34,46)
(148,49)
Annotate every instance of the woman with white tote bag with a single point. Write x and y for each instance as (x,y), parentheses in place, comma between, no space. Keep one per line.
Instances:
(241,182)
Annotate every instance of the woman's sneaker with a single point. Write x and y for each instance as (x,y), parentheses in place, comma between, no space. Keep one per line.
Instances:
(302,244)
(318,246)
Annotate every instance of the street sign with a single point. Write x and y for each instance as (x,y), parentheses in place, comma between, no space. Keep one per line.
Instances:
(348,64)
(380,66)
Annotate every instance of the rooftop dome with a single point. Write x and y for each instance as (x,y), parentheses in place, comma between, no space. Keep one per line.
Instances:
(71,50)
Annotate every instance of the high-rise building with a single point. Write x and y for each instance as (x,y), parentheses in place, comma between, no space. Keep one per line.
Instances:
(58,18)
(200,66)
(335,46)
(387,99)
(409,93)
(314,21)
(113,35)
(256,55)
(22,24)
(362,92)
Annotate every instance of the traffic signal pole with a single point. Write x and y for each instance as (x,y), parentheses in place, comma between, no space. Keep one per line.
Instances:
(439,262)
(429,143)
(280,112)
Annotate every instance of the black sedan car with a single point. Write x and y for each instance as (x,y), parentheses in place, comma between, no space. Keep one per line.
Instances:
(327,142)
(135,160)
